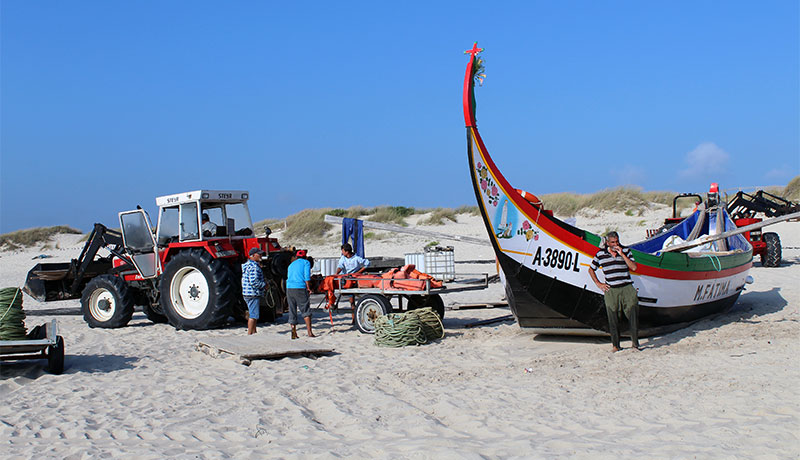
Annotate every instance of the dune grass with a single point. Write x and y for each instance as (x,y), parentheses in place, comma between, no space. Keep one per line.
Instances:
(439,216)
(466,209)
(631,200)
(309,224)
(792,190)
(34,236)
(391,215)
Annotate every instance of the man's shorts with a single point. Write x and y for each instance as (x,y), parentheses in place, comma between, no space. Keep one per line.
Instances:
(252,306)
(298,304)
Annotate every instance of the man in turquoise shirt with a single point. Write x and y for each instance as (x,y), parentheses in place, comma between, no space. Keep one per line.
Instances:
(298,288)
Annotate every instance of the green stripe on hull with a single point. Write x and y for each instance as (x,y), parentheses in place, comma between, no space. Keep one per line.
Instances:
(681,261)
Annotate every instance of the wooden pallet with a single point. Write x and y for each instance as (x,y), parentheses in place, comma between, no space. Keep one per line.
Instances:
(246,348)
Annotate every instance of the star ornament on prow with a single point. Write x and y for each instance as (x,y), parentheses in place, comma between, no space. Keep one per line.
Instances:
(478,70)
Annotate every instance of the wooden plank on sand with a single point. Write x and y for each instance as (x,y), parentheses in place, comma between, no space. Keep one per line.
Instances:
(260,346)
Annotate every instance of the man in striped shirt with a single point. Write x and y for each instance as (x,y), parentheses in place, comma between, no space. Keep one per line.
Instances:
(618,291)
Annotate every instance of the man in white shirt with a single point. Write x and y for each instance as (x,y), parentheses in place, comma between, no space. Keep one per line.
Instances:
(209,228)
(351,263)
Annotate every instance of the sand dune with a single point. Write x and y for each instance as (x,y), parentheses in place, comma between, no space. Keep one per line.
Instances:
(725,387)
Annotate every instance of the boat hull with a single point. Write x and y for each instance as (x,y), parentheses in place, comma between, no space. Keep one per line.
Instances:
(552,306)
(546,263)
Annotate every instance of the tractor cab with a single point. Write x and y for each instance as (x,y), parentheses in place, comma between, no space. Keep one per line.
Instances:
(203,215)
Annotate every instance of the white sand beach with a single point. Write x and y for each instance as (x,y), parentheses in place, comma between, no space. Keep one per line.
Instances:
(725,387)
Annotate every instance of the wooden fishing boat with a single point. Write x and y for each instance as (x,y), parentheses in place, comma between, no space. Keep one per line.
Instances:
(545,261)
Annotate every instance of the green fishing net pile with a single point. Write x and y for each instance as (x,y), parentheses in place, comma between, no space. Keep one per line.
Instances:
(12,318)
(415,327)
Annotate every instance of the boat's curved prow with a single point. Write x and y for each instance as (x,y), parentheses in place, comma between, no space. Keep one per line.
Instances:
(546,261)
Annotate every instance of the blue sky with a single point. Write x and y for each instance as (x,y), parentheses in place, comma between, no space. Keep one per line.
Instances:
(106,105)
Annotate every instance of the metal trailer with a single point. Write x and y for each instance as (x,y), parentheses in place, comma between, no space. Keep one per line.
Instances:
(42,342)
(376,301)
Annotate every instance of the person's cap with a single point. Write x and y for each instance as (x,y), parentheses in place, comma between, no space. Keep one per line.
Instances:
(301,253)
(256,251)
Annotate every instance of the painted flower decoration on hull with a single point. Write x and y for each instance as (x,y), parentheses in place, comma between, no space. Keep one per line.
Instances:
(488,186)
(528,231)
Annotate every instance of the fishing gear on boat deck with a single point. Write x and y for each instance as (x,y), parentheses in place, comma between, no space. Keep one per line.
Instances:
(12,318)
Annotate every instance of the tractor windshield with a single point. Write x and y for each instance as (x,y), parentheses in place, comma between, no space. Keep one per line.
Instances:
(239,215)
(168,225)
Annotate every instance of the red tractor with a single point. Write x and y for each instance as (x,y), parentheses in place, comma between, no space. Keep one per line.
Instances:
(187,272)
(742,209)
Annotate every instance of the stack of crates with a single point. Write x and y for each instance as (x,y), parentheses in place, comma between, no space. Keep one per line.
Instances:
(436,261)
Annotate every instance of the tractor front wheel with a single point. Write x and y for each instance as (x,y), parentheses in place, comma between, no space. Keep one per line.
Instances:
(107,302)
(197,291)
(772,255)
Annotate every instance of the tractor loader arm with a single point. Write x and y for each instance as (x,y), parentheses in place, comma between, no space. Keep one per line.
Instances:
(744,205)
(60,281)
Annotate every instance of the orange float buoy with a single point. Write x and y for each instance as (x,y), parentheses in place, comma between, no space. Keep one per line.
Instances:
(530,198)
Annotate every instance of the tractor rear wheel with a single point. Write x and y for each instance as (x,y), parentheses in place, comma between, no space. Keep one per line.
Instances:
(107,302)
(772,256)
(197,291)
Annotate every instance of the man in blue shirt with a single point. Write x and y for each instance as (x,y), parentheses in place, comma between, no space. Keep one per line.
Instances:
(351,263)
(253,287)
(298,287)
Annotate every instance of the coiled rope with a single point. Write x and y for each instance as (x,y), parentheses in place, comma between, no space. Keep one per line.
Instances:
(430,322)
(12,318)
(415,327)
(715,262)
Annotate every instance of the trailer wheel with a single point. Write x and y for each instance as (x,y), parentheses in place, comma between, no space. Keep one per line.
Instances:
(437,303)
(772,255)
(197,291)
(156,316)
(55,356)
(368,309)
(421,301)
(107,302)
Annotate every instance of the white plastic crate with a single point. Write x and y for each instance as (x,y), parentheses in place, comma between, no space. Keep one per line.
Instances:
(418,259)
(325,266)
(439,262)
